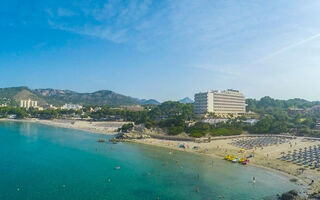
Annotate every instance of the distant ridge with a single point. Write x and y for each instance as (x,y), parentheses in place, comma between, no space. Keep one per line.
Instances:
(19,93)
(186,100)
(149,102)
(60,97)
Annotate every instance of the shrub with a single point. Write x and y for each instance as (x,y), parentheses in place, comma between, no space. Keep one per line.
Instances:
(126,128)
(225,131)
(196,134)
(175,130)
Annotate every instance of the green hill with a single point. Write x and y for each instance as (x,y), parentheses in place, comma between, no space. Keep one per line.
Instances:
(102,97)
(60,97)
(18,93)
(270,103)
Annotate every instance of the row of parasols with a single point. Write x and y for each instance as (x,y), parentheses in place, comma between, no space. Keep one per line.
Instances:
(308,156)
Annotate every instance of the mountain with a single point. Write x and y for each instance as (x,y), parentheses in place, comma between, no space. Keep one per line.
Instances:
(59,97)
(186,100)
(270,103)
(18,93)
(149,102)
(102,97)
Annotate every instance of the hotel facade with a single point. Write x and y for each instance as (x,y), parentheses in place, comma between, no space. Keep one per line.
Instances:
(28,104)
(221,103)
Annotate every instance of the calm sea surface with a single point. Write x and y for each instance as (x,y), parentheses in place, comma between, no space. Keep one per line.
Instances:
(40,162)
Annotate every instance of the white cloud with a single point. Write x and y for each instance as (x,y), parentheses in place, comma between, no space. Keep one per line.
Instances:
(219,37)
(112,21)
(287,48)
(62,12)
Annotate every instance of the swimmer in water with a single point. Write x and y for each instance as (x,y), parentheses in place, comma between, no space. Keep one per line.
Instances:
(254,179)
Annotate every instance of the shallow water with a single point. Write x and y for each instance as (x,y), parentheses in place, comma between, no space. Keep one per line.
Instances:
(43,162)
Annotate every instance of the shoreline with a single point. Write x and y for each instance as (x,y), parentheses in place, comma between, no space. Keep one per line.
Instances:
(219,157)
(213,149)
(301,180)
(105,128)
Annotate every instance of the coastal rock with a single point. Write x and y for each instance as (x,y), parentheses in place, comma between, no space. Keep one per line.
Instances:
(132,135)
(315,196)
(290,195)
(135,136)
(138,132)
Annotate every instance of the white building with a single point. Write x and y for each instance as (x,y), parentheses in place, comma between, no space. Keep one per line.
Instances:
(28,104)
(71,107)
(220,102)
(48,106)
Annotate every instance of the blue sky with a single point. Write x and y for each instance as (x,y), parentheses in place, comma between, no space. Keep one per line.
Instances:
(163,49)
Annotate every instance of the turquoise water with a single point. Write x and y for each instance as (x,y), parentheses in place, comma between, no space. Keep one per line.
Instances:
(48,163)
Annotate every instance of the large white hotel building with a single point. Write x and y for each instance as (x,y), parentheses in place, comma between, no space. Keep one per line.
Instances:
(220,102)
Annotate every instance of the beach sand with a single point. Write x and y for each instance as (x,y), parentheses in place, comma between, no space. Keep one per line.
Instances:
(104,127)
(266,157)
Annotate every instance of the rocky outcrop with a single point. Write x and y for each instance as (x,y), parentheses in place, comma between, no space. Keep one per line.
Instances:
(134,136)
(138,132)
(290,195)
(314,196)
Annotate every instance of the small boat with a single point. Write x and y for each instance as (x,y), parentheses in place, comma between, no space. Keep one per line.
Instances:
(101,140)
(227,157)
(231,158)
(117,168)
(245,162)
(235,160)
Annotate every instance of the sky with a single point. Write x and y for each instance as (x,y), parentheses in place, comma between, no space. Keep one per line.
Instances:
(163,49)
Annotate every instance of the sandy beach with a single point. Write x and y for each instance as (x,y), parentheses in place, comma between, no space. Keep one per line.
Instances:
(266,157)
(108,128)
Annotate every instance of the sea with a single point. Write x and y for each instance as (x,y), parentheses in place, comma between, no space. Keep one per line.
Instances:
(40,162)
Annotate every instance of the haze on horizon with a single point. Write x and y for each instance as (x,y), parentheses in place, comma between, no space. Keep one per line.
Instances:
(163,49)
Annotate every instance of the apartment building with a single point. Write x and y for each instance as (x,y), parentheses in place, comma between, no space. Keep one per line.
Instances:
(28,104)
(220,102)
